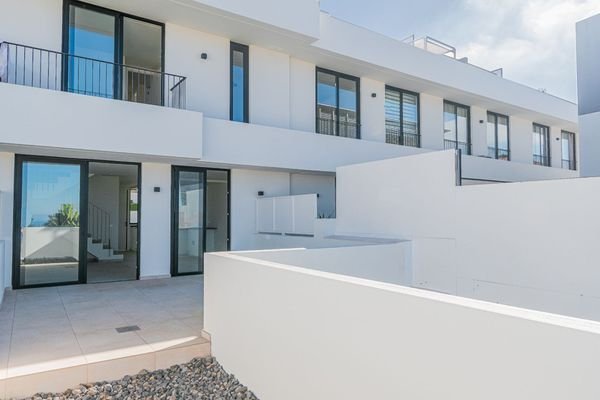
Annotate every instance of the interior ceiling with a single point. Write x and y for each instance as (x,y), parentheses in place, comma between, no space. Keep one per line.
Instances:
(127,173)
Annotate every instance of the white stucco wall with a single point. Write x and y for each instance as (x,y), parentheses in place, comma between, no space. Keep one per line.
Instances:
(522,244)
(155,223)
(589,125)
(325,336)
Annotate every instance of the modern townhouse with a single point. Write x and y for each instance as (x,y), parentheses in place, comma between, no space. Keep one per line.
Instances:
(137,136)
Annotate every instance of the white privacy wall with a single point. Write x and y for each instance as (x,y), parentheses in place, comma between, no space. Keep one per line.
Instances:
(324,336)
(523,244)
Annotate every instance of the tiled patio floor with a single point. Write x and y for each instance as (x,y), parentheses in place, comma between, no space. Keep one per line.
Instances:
(55,338)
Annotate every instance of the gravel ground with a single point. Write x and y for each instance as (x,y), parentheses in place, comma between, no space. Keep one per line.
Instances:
(201,378)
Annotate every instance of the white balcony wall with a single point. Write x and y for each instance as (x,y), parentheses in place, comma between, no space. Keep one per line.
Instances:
(480,168)
(589,144)
(437,346)
(76,122)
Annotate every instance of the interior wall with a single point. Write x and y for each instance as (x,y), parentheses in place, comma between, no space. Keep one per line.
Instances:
(104,193)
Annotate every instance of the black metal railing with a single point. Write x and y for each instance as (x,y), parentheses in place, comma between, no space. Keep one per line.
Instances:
(393,135)
(541,160)
(328,126)
(99,224)
(499,154)
(568,164)
(53,70)
(464,147)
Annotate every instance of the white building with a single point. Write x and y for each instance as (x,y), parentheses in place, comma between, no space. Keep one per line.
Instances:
(225,102)
(588,90)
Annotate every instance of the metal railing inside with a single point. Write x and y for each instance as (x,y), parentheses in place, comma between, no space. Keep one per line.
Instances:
(393,135)
(499,154)
(568,164)
(99,225)
(541,160)
(47,69)
(464,147)
(328,126)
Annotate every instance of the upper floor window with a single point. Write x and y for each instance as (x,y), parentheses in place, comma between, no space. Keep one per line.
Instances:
(401,117)
(497,136)
(457,127)
(568,150)
(541,145)
(238,96)
(104,57)
(338,110)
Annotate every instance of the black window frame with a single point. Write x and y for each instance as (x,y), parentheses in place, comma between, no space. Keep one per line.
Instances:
(468,144)
(337,75)
(402,92)
(573,151)
(547,161)
(118,59)
(496,118)
(245,50)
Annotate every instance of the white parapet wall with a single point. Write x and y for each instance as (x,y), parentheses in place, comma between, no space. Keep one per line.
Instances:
(294,333)
(527,244)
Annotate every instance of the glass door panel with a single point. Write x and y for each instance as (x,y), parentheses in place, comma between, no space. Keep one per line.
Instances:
(188,221)
(50,222)
(92,49)
(142,55)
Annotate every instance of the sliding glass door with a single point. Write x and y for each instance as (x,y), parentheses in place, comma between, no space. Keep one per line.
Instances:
(49,235)
(112,55)
(200,217)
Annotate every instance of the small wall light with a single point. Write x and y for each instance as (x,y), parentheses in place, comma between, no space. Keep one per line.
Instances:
(204,56)
(481,121)
(156,189)
(261,193)
(373,95)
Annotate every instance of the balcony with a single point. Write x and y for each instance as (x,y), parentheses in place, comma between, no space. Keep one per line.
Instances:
(464,147)
(52,70)
(541,160)
(336,127)
(45,104)
(393,135)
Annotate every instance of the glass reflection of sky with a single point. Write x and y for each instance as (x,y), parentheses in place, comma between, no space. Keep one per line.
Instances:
(238,93)
(45,188)
(327,96)
(85,75)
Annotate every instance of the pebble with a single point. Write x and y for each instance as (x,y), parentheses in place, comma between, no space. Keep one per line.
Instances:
(201,378)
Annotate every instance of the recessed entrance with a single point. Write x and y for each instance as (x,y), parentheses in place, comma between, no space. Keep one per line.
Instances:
(75,221)
(112,222)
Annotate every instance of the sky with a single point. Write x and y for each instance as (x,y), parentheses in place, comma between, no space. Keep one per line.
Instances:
(532,40)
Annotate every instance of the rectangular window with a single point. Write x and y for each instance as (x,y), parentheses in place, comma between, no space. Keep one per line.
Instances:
(497,136)
(238,96)
(568,150)
(541,145)
(401,117)
(338,110)
(457,123)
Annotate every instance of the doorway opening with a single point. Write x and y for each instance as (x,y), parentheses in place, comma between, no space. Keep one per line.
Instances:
(112,229)
(200,217)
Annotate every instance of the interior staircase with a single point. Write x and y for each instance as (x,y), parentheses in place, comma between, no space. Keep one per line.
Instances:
(99,244)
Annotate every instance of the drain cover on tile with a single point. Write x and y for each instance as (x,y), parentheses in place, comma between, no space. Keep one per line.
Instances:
(129,328)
